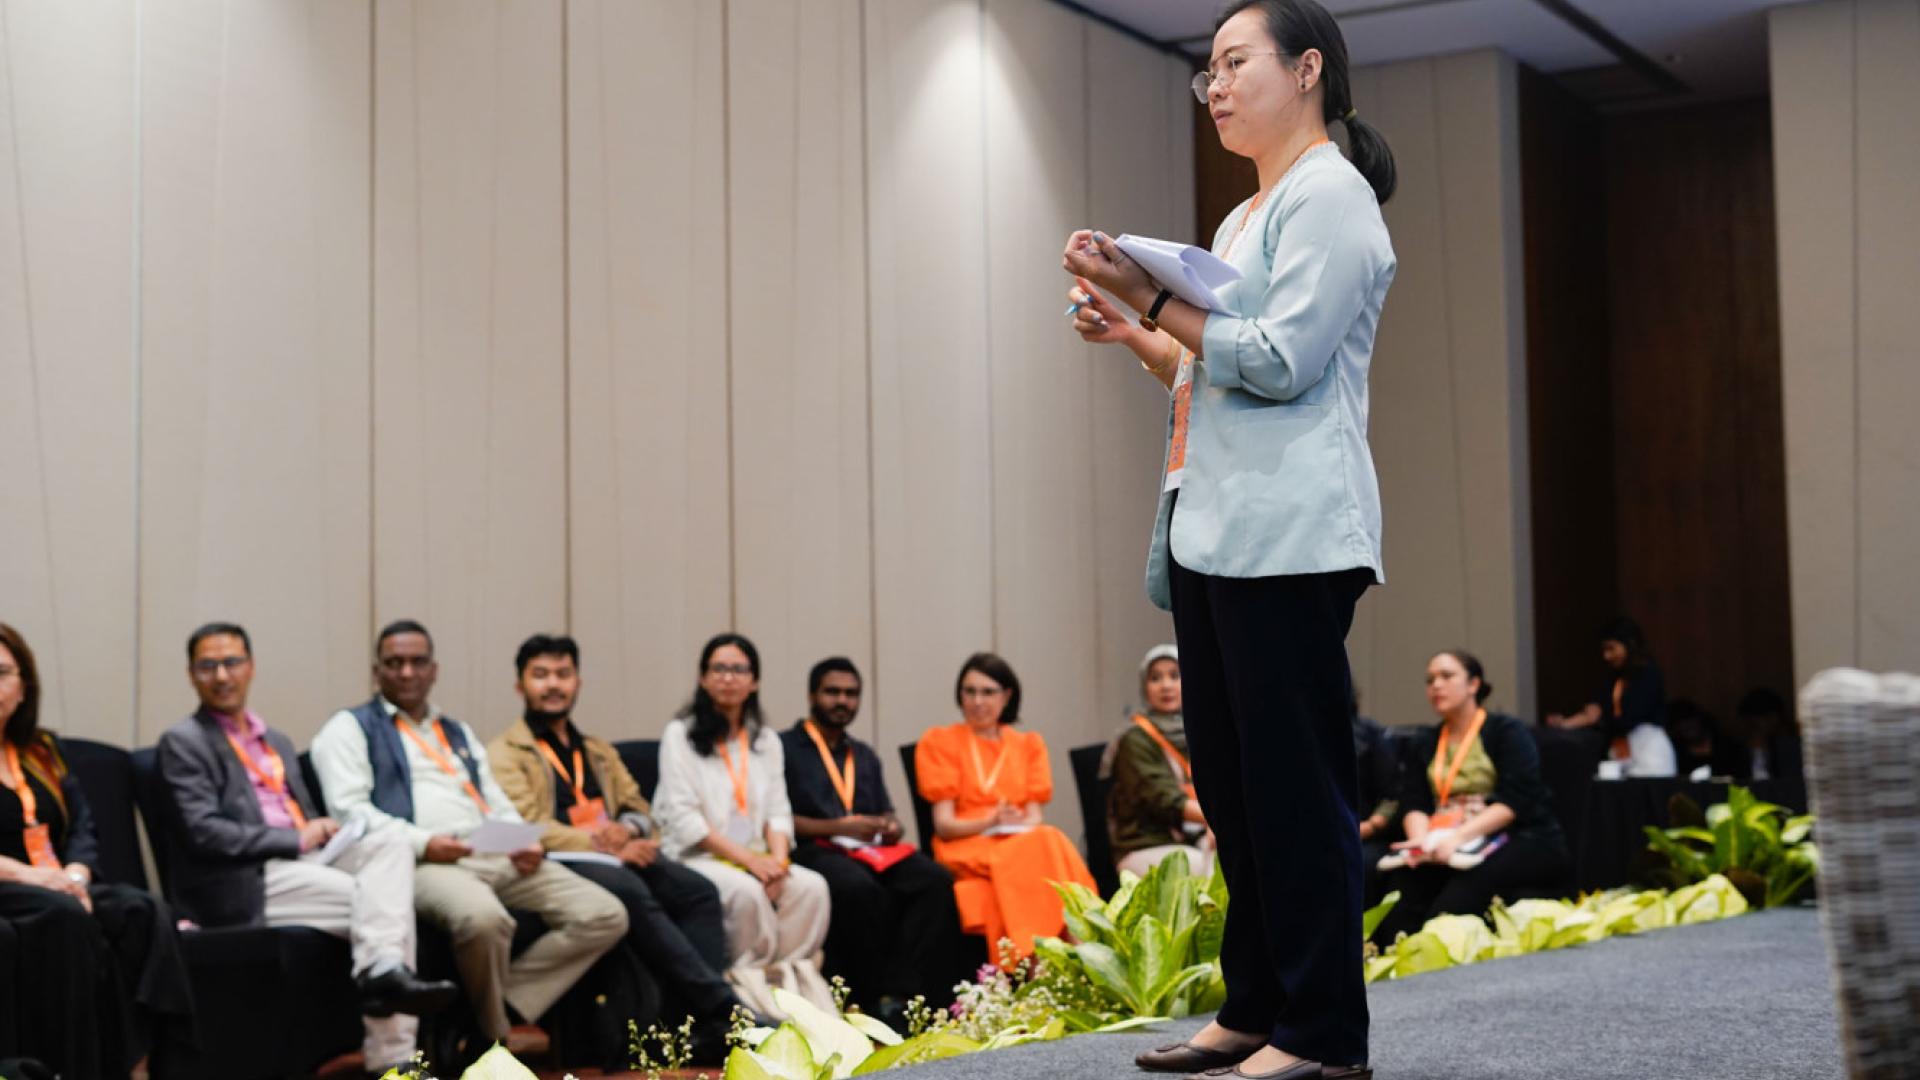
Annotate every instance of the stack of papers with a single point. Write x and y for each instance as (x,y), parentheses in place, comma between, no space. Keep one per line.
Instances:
(1191,273)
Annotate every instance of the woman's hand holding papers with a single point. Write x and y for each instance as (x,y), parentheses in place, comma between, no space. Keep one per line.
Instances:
(1092,255)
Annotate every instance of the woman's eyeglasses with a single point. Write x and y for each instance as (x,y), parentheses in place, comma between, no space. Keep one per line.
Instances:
(1222,73)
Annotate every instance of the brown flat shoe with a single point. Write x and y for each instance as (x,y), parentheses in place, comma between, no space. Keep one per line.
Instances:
(1185,1057)
(1299,1070)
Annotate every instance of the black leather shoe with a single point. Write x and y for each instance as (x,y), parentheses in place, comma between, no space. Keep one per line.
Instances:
(1185,1057)
(399,990)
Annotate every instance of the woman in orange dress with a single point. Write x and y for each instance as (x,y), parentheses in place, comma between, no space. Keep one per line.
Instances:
(987,783)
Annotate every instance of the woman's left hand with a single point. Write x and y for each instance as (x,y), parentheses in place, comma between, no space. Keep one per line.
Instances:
(1444,850)
(1092,255)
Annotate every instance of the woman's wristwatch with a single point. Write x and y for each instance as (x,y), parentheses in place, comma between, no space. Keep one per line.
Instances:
(1149,321)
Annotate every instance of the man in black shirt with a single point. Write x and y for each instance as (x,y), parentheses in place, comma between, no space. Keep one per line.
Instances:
(895,931)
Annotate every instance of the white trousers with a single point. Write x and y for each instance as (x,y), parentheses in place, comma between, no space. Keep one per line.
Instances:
(366,896)
(772,944)
(1139,862)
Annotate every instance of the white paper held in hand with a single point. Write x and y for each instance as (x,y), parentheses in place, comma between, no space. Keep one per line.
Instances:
(496,837)
(1191,273)
(343,839)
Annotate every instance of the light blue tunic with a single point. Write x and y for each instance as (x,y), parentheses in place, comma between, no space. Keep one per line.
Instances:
(1278,477)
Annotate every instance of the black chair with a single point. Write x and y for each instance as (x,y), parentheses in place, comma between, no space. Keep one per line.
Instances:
(922,809)
(312,776)
(642,759)
(1093,791)
(271,1002)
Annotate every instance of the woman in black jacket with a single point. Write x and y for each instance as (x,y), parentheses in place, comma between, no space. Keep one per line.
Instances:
(1478,817)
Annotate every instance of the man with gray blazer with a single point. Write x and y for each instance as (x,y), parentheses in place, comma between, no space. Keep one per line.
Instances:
(247,849)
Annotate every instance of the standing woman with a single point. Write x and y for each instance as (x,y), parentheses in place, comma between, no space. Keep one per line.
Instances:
(722,809)
(1269,529)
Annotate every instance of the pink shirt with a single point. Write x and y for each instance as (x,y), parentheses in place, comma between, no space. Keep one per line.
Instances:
(251,733)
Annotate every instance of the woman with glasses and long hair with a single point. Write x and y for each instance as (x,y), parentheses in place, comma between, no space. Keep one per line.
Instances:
(987,783)
(722,809)
(101,983)
(1268,529)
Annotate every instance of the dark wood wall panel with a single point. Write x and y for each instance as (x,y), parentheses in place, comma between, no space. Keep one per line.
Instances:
(1221,179)
(1699,466)
(1569,387)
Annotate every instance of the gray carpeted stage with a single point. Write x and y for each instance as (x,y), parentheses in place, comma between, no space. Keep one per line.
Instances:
(1744,999)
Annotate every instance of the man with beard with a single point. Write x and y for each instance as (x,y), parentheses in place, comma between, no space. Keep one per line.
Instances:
(579,788)
(895,931)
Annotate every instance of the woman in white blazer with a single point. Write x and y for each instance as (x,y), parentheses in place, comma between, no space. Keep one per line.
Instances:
(1268,528)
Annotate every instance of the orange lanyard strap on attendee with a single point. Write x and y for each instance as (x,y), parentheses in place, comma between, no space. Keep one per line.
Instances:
(842,781)
(987,779)
(274,778)
(35,836)
(577,780)
(443,760)
(1186,769)
(738,776)
(1443,786)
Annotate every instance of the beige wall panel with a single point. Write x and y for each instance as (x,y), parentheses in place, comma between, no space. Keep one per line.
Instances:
(647,379)
(1036,184)
(797,275)
(932,464)
(1816,221)
(1888,160)
(1478,126)
(255,427)
(469,435)
(1413,422)
(67,355)
(1139,180)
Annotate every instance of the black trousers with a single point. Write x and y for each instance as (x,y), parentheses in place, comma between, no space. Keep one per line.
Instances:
(1265,682)
(1529,863)
(895,934)
(674,925)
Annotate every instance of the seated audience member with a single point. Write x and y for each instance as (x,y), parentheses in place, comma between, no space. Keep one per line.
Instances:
(1152,811)
(895,931)
(578,787)
(1631,706)
(1700,750)
(987,784)
(1771,749)
(396,763)
(1380,783)
(246,818)
(101,980)
(722,808)
(1478,819)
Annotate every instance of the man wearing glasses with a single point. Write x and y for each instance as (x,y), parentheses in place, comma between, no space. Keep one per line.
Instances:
(399,765)
(245,855)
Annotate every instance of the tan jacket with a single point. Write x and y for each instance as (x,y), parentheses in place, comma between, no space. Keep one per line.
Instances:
(528,780)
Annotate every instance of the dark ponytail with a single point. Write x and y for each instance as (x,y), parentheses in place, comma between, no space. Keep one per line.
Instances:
(1299,25)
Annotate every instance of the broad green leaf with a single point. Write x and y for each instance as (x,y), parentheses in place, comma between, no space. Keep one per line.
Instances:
(1152,966)
(1570,929)
(1375,914)
(1210,931)
(1209,995)
(933,1046)
(826,1034)
(1796,829)
(1466,937)
(1169,1002)
(744,1064)
(874,1029)
(1379,967)
(1105,970)
(498,1064)
(1129,1024)
(787,1051)
(1419,953)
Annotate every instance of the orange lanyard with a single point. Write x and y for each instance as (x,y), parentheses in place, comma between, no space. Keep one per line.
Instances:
(578,781)
(274,779)
(740,777)
(29,806)
(1261,201)
(1619,687)
(446,766)
(1186,770)
(842,782)
(987,779)
(1443,788)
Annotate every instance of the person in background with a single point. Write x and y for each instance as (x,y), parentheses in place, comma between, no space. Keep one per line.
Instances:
(577,786)
(102,983)
(396,762)
(895,932)
(1474,776)
(722,808)
(1152,811)
(1380,783)
(987,784)
(1700,749)
(1631,707)
(246,818)
(1772,742)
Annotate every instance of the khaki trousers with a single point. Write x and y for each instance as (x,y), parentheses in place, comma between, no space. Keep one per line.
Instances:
(470,898)
(772,944)
(366,896)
